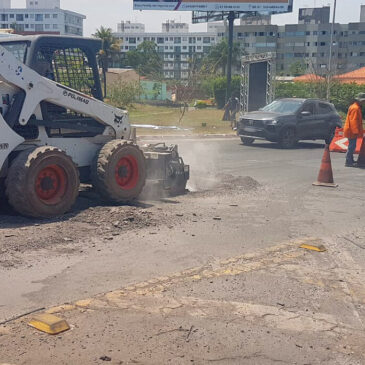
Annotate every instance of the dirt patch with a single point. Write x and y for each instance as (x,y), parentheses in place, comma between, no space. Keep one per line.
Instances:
(223,184)
(92,220)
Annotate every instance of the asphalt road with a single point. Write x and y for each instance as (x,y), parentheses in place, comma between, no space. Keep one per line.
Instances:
(204,228)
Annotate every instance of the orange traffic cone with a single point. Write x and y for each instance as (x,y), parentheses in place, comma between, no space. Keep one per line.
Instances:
(325,177)
(361,159)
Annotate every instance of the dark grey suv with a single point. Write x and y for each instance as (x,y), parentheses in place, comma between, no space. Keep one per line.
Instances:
(287,121)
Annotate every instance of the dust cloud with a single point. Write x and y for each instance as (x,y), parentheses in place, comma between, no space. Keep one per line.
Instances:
(206,161)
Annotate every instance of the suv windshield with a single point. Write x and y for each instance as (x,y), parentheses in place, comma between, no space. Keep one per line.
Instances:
(18,49)
(283,106)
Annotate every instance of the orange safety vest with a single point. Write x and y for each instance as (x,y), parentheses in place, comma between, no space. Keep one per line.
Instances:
(353,126)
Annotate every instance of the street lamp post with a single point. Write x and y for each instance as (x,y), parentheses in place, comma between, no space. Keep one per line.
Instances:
(330,54)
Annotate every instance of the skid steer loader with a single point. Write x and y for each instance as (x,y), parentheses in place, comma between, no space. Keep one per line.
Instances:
(56,131)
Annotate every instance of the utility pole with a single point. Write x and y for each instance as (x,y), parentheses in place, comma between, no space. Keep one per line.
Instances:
(329,77)
(231,17)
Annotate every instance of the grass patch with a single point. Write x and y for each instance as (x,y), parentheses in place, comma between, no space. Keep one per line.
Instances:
(167,116)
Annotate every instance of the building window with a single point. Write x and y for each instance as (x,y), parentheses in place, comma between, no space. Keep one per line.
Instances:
(177,40)
(55,16)
(47,16)
(47,26)
(39,17)
(11,16)
(19,18)
(55,26)
(206,40)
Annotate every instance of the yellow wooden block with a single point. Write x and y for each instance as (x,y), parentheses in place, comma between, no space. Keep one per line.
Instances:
(319,248)
(49,323)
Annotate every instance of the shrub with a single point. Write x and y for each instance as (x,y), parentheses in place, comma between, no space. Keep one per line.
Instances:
(124,94)
(200,104)
(220,89)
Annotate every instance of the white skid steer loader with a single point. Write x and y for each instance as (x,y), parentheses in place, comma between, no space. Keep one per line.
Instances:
(55,131)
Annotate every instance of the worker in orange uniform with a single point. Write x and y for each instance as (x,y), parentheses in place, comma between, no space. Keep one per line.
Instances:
(353,127)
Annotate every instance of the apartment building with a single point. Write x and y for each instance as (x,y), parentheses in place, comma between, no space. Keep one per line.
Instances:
(176,45)
(128,27)
(40,17)
(306,43)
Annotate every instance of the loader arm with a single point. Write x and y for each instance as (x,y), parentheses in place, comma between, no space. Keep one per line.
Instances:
(38,88)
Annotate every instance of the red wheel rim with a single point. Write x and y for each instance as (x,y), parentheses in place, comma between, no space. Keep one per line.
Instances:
(126,172)
(51,183)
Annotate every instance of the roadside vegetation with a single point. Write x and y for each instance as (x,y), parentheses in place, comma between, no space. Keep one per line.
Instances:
(342,95)
(196,121)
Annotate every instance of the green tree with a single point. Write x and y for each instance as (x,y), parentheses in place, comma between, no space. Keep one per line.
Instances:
(297,68)
(110,46)
(217,58)
(146,60)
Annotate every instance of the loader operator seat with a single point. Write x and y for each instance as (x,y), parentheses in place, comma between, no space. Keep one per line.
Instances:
(44,68)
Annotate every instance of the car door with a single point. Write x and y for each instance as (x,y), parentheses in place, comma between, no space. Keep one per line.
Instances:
(324,115)
(307,124)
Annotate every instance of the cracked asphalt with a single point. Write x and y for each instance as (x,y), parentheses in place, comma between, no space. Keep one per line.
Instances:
(215,276)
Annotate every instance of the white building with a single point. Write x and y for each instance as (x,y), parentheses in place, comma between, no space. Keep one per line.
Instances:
(40,17)
(176,47)
(128,27)
(172,27)
(43,4)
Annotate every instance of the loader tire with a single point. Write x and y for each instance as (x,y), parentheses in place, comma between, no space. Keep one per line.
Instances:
(119,171)
(42,182)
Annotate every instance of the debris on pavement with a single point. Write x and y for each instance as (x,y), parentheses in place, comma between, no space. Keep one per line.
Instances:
(317,248)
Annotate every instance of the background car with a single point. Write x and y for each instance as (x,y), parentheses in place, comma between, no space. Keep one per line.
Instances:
(287,121)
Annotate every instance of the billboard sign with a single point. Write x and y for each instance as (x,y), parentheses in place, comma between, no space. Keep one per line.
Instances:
(269,6)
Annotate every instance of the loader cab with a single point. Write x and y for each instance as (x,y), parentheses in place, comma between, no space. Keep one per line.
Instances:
(70,61)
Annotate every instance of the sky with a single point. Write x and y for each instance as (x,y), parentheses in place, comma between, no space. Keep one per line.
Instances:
(110,12)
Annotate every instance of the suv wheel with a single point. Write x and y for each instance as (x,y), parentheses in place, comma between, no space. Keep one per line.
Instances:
(288,138)
(247,141)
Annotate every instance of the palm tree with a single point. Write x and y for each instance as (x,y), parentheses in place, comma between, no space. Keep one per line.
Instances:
(217,59)
(110,45)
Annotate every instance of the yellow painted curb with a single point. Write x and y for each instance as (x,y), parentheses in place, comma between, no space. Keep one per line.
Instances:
(49,323)
(319,248)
